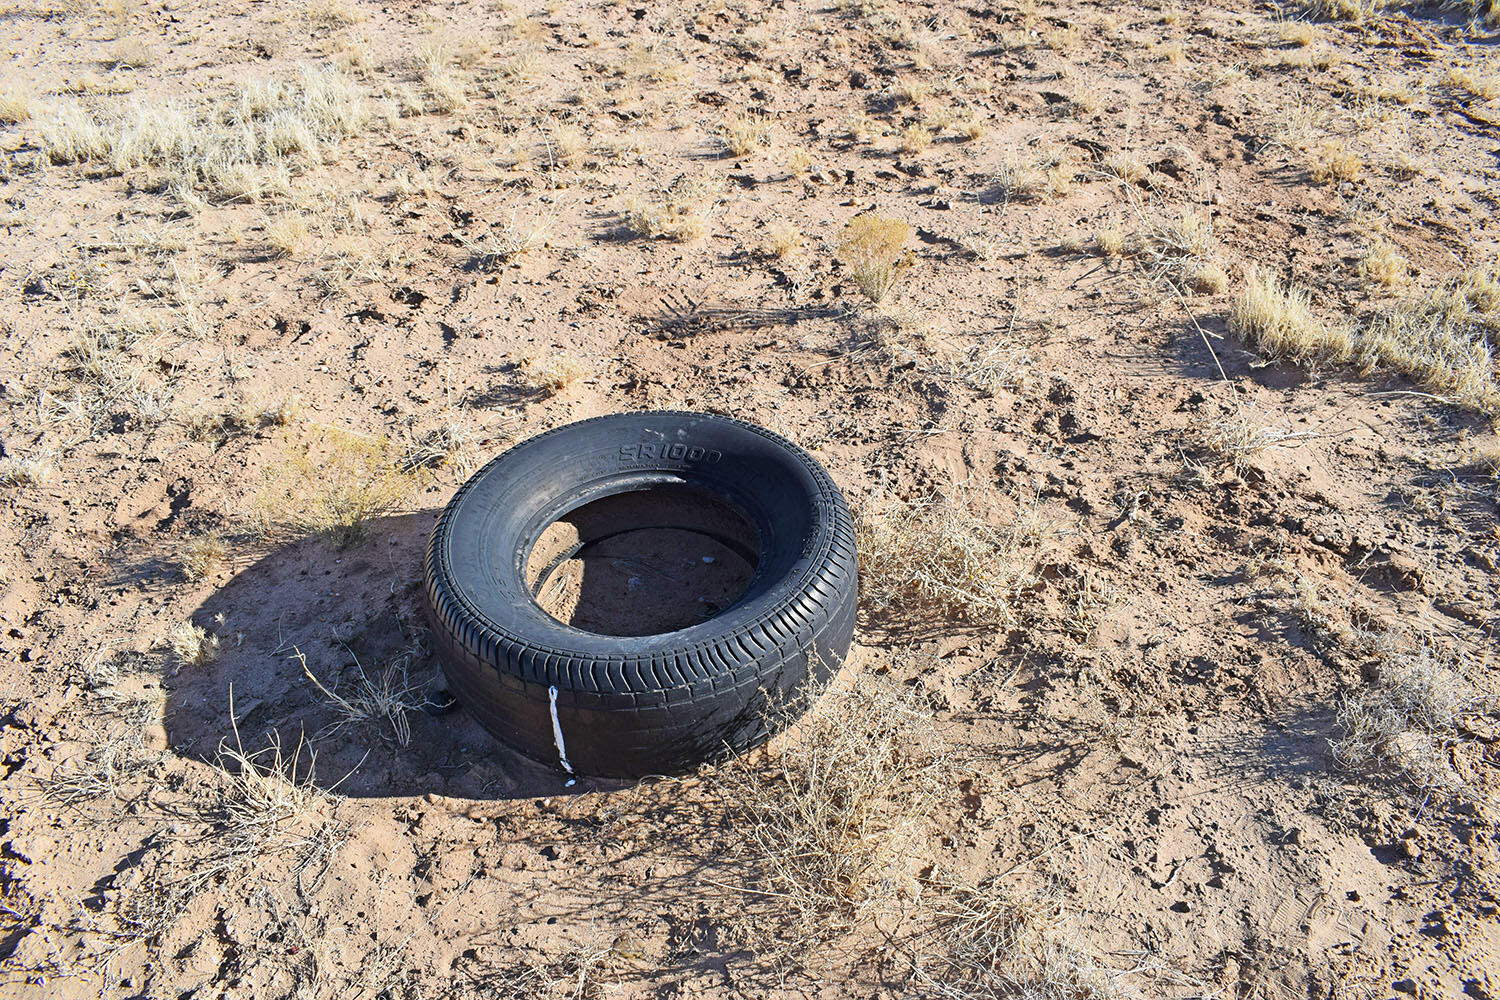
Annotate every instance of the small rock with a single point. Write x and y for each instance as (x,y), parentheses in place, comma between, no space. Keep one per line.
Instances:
(1409,850)
(1405,986)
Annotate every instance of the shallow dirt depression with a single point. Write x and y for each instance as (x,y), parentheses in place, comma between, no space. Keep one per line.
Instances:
(644,562)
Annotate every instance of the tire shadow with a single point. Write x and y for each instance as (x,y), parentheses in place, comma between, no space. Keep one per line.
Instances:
(355,617)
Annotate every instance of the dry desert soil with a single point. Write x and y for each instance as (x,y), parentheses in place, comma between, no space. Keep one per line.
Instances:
(1153,344)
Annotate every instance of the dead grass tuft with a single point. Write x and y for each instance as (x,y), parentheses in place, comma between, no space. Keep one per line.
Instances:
(28,470)
(1208,278)
(997,942)
(385,700)
(118,756)
(334,484)
(1445,339)
(679,212)
(937,555)
(287,234)
(203,556)
(1474,81)
(264,803)
(234,150)
(832,827)
(502,244)
(1278,321)
(1237,438)
(745,134)
(1409,718)
(451,441)
(1334,162)
(553,372)
(784,239)
(17,103)
(870,247)
(1381,263)
(192,645)
(915,138)
(1487,457)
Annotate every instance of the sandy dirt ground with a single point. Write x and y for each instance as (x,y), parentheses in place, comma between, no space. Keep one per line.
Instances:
(278,277)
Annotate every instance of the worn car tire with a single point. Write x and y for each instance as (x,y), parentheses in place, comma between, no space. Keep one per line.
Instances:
(633,705)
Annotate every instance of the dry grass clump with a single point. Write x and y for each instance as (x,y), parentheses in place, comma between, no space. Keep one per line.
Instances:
(1487,457)
(1345,10)
(449,442)
(335,485)
(567,146)
(1110,241)
(996,942)
(784,239)
(1409,718)
(1381,263)
(860,127)
(745,134)
(937,555)
(264,804)
(1030,181)
(870,247)
(1446,339)
(1474,81)
(1298,33)
(1017,181)
(17,104)
(1237,438)
(386,700)
(915,138)
(130,53)
(678,213)
(1335,162)
(1182,249)
(192,645)
(119,753)
(1481,11)
(447,90)
(1278,321)
(986,368)
(203,556)
(830,831)
(584,974)
(18,470)
(1208,278)
(550,373)
(503,244)
(234,149)
(287,233)
(1127,167)
(115,382)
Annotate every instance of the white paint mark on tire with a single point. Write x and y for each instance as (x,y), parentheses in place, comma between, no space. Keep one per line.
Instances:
(557,736)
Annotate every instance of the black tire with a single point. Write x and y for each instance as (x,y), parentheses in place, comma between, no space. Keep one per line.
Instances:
(631,705)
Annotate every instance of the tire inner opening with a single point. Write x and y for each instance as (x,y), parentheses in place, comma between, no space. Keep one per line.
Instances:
(644,562)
